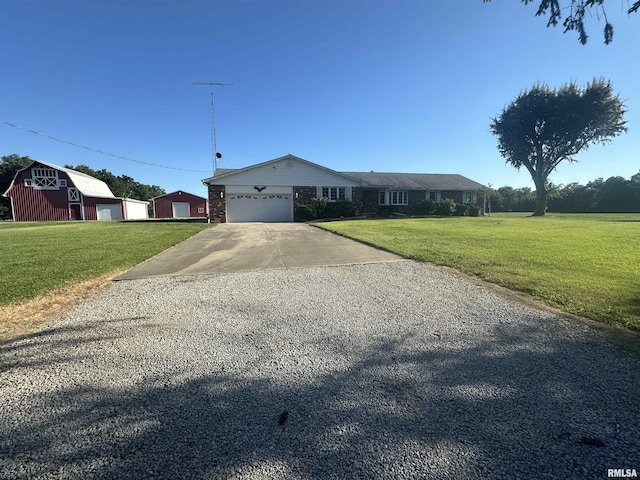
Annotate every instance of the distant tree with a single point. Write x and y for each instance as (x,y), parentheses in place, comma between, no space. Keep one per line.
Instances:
(123,185)
(574,20)
(9,166)
(542,128)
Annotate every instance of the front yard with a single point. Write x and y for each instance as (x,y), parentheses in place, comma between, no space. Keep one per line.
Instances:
(39,257)
(582,263)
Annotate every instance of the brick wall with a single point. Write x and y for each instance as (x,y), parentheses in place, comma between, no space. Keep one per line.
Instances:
(303,195)
(368,200)
(217,203)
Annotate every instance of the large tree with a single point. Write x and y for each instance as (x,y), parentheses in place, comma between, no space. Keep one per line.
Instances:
(574,15)
(542,128)
(9,166)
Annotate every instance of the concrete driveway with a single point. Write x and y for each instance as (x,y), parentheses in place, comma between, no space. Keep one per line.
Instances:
(236,247)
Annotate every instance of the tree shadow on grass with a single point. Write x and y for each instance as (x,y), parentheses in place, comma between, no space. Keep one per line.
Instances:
(436,409)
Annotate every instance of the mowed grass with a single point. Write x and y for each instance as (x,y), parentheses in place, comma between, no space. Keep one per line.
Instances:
(584,264)
(37,258)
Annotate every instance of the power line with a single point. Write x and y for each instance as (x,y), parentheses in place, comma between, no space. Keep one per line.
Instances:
(100,151)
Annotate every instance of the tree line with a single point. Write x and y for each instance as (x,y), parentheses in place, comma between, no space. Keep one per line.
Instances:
(613,195)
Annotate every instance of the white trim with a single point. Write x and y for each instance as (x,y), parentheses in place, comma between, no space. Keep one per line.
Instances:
(320,193)
(438,196)
(388,196)
(13,210)
(62,182)
(81,210)
(474,197)
(73,194)
(48,177)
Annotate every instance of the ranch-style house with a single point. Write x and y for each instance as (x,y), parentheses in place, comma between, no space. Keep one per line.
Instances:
(269,191)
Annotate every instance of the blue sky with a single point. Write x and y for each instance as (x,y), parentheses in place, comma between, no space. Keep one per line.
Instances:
(354,85)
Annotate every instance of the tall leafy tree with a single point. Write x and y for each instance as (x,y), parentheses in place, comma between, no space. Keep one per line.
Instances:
(543,127)
(9,166)
(572,15)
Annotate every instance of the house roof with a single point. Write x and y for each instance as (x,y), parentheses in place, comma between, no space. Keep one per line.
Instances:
(89,186)
(422,181)
(429,181)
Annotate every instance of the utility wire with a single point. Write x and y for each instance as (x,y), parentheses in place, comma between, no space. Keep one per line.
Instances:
(100,151)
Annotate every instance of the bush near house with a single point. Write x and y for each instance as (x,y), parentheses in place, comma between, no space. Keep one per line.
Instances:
(322,208)
(446,208)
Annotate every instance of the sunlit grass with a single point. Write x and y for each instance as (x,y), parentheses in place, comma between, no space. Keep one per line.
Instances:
(39,257)
(584,264)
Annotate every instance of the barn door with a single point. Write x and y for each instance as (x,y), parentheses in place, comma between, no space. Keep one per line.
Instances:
(75,212)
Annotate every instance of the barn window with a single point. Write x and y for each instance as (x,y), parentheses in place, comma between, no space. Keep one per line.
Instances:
(200,210)
(45,178)
(73,194)
(28,182)
(62,182)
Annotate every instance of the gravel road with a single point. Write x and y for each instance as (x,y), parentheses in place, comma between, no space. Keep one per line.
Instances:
(391,370)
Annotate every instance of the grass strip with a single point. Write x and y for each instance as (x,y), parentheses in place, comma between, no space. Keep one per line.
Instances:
(586,264)
(39,257)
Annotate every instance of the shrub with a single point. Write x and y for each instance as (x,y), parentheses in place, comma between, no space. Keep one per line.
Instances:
(319,206)
(446,208)
(386,210)
(340,209)
(474,210)
(461,210)
(427,207)
(322,208)
(305,212)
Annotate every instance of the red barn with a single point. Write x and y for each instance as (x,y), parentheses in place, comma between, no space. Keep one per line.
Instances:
(44,191)
(180,204)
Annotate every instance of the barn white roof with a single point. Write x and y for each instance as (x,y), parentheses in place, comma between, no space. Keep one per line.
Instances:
(89,186)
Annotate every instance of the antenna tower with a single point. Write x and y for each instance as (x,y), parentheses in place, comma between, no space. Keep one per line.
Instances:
(216,155)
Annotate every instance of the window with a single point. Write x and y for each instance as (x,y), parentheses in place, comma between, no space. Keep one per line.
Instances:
(398,198)
(73,194)
(382,197)
(467,197)
(334,194)
(432,196)
(28,182)
(200,209)
(44,178)
(62,182)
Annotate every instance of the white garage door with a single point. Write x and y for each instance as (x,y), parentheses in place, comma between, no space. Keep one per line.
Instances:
(180,209)
(259,208)
(109,212)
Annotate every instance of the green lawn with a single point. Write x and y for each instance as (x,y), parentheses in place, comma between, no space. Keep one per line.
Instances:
(39,257)
(587,264)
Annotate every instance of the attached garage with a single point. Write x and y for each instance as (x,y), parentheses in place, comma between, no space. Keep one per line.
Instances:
(259,208)
(109,211)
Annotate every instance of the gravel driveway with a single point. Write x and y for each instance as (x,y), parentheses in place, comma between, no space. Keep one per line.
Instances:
(388,370)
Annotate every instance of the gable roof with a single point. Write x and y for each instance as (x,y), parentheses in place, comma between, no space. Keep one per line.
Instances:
(226,172)
(428,181)
(171,193)
(89,186)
